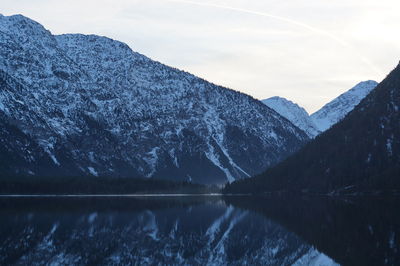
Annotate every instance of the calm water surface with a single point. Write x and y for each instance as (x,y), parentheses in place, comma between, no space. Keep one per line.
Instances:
(199,231)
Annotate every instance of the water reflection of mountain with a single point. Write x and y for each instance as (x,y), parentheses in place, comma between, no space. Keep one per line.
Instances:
(352,231)
(123,231)
(200,230)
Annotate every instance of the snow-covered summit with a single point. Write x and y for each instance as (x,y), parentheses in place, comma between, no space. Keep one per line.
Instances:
(294,113)
(328,115)
(95,106)
(337,109)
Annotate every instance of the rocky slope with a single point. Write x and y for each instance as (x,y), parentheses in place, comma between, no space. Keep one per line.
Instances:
(95,107)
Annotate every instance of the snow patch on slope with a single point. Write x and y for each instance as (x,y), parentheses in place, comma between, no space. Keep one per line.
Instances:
(92,171)
(314,258)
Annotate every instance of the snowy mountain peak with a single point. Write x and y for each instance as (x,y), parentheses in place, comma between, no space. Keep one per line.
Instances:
(328,115)
(284,101)
(92,106)
(22,26)
(338,108)
(294,113)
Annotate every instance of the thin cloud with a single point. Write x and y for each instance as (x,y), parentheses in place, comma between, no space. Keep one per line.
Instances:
(307,51)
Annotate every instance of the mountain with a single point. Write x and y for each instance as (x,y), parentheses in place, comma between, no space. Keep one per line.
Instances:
(294,113)
(337,109)
(360,153)
(328,115)
(89,105)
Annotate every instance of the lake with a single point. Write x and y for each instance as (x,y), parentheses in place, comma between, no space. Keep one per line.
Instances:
(202,230)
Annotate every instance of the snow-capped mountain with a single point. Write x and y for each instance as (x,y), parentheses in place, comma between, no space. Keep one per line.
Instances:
(328,115)
(95,107)
(337,109)
(294,113)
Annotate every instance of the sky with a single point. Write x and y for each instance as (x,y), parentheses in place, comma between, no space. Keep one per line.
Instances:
(308,51)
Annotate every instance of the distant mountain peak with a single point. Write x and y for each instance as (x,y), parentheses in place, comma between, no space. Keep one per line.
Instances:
(294,113)
(338,108)
(328,115)
(289,102)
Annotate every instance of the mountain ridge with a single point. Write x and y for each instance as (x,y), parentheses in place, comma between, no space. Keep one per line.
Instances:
(294,113)
(338,108)
(97,107)
(328,115)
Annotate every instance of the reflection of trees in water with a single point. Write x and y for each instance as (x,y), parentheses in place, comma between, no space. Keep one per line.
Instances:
(352,231)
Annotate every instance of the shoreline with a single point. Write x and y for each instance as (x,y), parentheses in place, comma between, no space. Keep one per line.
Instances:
(104,195)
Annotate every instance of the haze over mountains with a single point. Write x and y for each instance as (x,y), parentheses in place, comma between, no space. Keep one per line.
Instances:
(79,105)
(328,115)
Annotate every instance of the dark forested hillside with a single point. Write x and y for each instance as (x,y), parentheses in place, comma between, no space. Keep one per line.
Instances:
(360,153)
(42,185)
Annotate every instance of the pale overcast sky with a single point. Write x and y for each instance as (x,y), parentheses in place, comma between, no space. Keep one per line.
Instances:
(308,51)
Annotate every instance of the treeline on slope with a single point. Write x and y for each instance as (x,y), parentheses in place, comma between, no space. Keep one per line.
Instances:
(97,185)
(359,154)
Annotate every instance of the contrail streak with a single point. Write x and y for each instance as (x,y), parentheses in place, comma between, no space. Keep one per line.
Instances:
(293,22)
